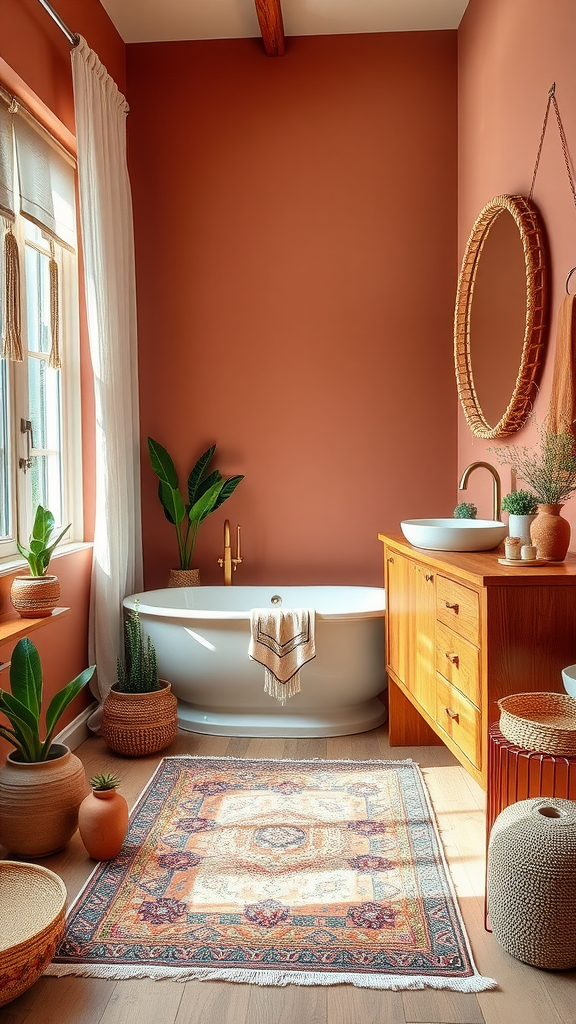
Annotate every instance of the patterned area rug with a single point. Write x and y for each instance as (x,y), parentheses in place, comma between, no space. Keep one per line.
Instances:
(276,873)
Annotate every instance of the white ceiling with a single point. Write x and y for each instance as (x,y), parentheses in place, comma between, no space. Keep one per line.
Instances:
(140,21)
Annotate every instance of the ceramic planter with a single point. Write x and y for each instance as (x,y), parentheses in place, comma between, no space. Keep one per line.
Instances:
(103,823)
(35,597)
(519,526)
(550,532)
(39,802)
(135,724)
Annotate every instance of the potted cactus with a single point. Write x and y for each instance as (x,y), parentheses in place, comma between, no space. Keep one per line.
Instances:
(139,715)
(103,818)
(36,594)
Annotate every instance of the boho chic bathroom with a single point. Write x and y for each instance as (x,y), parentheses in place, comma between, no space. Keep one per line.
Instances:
(287,511)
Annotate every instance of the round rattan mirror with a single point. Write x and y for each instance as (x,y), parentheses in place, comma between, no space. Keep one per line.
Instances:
(500,337)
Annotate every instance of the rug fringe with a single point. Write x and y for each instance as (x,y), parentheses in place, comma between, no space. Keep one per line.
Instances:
(282,979)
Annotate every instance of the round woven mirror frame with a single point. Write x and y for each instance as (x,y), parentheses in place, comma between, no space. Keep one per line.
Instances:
(527,220)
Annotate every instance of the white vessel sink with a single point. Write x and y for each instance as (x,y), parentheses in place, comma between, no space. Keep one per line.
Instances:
(454,534)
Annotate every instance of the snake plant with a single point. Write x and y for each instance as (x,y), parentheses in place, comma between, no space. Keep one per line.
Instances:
(23,705)
(139,673)
(206,492)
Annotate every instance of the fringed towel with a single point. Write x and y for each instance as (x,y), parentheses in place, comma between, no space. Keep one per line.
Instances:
(562,409)
(282,640)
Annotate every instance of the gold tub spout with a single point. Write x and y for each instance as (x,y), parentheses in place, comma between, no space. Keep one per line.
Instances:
(228,563)
(496,484)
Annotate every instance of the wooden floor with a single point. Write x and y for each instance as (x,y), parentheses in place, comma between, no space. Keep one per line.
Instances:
(524,995)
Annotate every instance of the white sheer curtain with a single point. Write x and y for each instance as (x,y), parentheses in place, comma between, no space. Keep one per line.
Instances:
(108,247)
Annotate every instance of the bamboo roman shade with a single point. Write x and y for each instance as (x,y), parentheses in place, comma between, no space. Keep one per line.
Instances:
(46,177)
(6,162)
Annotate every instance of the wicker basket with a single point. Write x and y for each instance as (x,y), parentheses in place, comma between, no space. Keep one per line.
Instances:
(136,724)
(540,721)
(32,906)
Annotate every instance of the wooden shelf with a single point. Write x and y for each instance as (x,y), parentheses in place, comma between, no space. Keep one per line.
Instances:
(13,627)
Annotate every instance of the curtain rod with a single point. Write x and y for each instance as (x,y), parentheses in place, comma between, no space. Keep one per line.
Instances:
(72,38)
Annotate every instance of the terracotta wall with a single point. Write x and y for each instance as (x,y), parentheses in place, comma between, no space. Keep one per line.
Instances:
(36,51)
(296,268)
(510,53)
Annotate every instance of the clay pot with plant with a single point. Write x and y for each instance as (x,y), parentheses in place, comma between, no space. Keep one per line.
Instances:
(549,469)
(521,507)
(140,712)
(206,492)
(36,594)
(103,818)
(42,783)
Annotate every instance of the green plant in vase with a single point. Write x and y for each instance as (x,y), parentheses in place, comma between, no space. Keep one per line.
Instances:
(206,492)
(139,672)
(520,503)
(549,469)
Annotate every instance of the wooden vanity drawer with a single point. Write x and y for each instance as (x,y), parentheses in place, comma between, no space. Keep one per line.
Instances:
(458,717)
(458,608)
(458,661)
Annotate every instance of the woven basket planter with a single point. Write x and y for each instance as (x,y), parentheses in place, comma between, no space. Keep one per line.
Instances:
(32,908)
(531,890)
(135,724)
(35,597)
(540,721)
(184,578)
(39,802)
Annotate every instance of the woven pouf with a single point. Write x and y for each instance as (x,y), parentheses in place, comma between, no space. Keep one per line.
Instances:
(532,881)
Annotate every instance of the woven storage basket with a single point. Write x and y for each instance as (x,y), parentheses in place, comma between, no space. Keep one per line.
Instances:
(540,721)
(135,724)
(32,910)
(530,877)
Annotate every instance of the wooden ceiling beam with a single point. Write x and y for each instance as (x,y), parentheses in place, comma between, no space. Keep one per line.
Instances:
(271,26)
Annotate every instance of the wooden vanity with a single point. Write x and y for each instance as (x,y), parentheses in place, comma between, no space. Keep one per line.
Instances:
(462,631)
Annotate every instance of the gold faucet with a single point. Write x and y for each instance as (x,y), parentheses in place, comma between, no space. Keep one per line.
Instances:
(227,562)
(496,480)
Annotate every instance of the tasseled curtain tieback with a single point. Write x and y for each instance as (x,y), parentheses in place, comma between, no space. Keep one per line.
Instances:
(12,347)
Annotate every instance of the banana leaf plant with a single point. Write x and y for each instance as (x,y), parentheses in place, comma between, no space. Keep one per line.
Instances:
(23,705)
(42,544)
(205,492)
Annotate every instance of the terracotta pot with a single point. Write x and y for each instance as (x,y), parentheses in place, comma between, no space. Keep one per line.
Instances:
(550,533)
(184,578)
(35,597)
(135,724)
(39,802)
(103,823)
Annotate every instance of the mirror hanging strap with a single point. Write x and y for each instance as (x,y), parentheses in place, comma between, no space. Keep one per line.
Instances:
(553,101)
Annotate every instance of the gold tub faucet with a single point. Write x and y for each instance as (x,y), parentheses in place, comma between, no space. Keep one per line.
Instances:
(227,562)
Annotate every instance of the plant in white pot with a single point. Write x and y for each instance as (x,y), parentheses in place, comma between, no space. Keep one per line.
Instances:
(42,783)
(140,712)
(36,594)
(521,507)
(205,491)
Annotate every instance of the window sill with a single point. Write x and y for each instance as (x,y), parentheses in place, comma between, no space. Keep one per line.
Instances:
(15,563)
(14,627)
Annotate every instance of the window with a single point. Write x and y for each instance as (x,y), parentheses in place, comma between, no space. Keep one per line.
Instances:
(40,428)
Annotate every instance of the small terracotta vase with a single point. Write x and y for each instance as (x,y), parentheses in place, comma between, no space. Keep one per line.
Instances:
(35,597)
(550,533)
(103,823)
(184,578)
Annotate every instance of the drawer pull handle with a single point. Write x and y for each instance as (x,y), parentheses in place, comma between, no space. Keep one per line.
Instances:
(452,714)
(391,560)
(452,657)
(453,607)
(429,577)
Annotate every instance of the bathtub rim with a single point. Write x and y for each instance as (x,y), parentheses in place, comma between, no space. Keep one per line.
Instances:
(162,612)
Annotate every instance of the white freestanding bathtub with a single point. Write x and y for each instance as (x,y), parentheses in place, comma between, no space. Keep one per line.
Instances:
(201,636)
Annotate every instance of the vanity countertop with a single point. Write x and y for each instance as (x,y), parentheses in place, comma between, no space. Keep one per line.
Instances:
(483,569)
